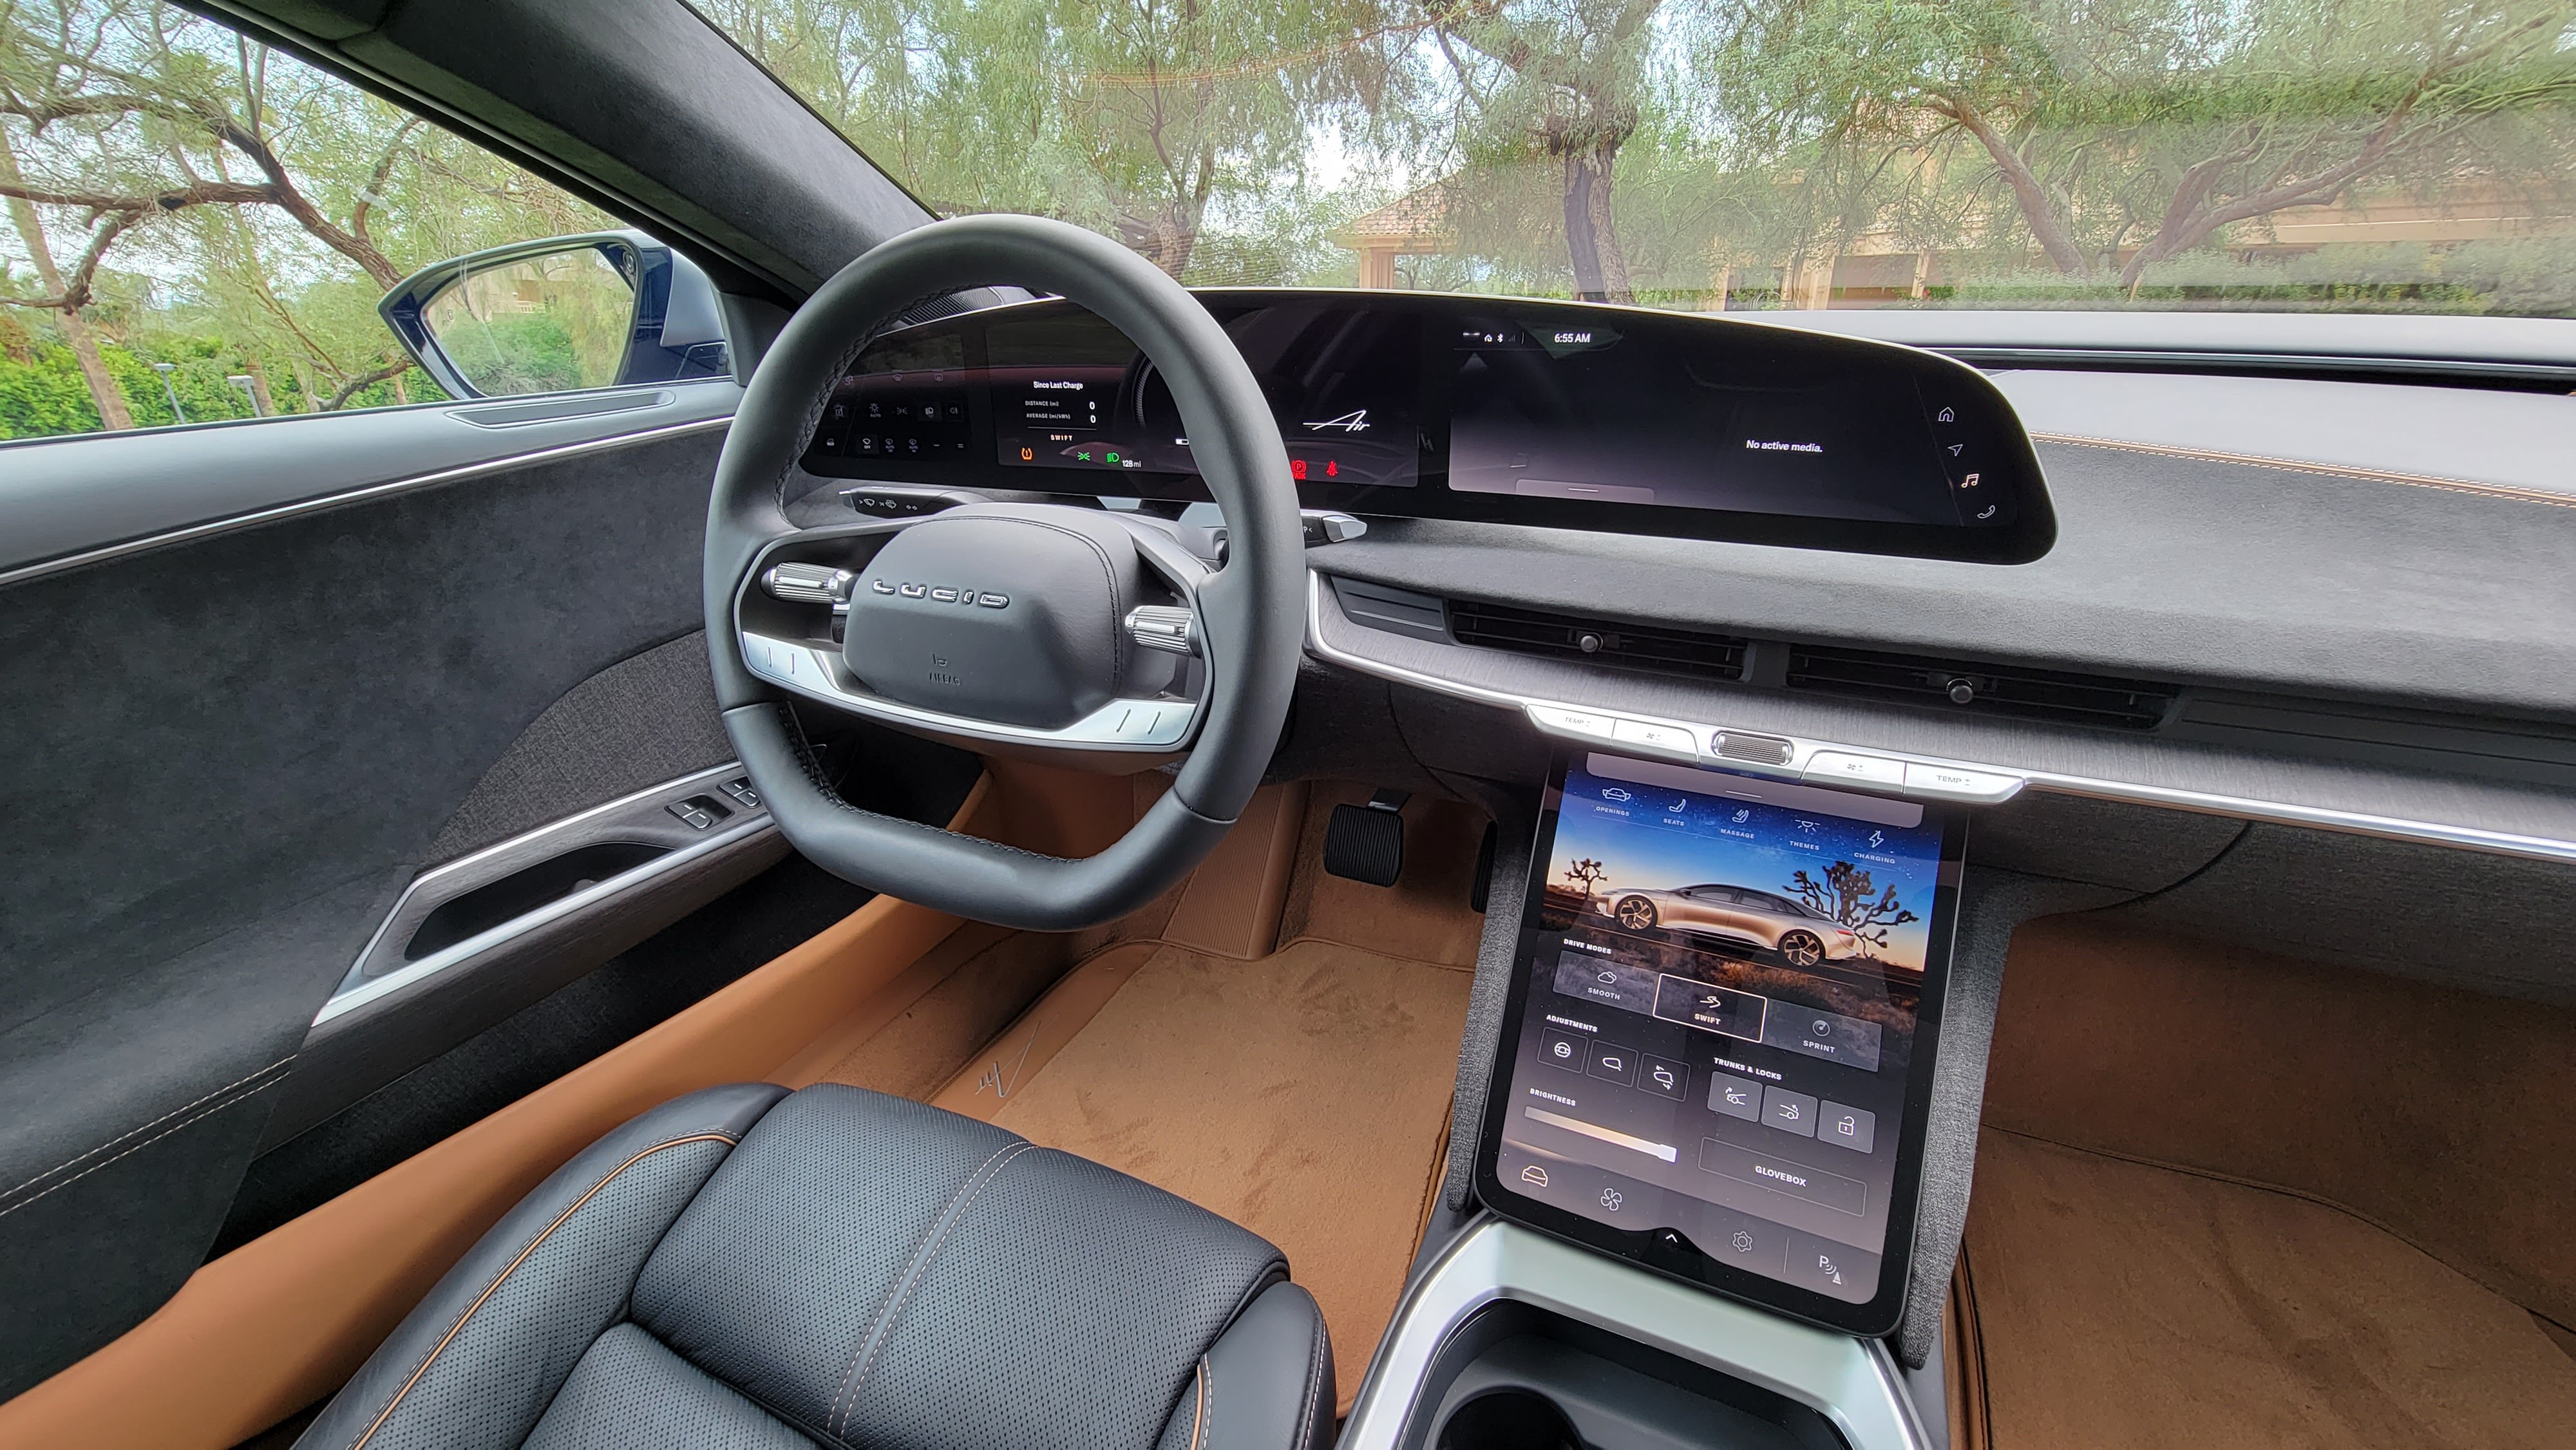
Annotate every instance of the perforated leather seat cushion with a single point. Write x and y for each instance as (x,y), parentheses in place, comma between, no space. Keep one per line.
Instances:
(747,1268)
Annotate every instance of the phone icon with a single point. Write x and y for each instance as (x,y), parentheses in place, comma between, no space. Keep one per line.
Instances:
(1989,513)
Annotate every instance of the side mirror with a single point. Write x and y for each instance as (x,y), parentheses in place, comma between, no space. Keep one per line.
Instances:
(598,310)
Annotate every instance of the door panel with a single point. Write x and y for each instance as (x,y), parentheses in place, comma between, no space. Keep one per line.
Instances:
(70,499)
(226,757)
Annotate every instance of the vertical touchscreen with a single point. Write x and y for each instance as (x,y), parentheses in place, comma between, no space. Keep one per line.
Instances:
(1721,1009)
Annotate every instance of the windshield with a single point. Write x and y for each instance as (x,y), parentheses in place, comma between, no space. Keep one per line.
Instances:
(2254,155)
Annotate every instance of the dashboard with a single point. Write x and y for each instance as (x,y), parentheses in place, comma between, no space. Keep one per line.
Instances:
(1615,420)
(2335,608)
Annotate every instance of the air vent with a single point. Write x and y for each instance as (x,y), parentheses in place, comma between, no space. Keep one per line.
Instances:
(1622,646)
(1985,689)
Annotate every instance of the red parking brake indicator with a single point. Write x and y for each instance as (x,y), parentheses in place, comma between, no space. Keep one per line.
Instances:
(1297,469)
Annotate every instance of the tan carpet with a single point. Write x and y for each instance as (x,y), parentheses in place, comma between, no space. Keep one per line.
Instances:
(1302,1095)
(2228,1199)
(2436,1113)
(2119,1304)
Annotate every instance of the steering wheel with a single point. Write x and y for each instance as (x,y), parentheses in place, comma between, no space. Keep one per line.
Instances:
(1043,629)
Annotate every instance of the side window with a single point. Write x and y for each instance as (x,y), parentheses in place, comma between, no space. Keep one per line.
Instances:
(200,228)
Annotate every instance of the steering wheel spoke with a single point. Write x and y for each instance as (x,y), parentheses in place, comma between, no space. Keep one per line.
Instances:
(805,590)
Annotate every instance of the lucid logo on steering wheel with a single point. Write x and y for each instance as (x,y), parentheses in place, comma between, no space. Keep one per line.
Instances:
(942,593)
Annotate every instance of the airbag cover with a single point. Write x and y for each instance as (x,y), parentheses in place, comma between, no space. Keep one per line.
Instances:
(1016,618)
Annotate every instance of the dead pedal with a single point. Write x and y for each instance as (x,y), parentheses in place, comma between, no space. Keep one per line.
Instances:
(1366,843)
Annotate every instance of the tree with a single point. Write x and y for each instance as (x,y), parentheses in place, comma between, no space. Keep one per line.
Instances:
(1584,873)
(1850,897)
(1565,78)
(231,198)
(2124,132)
(2327,97)
(1139,118)
(66,297)
(174,123)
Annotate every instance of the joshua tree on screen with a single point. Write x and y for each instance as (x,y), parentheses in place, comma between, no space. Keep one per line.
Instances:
(1583,873)
(1851,898)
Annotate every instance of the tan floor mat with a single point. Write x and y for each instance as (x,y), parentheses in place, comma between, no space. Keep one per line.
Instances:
(2435,1113)
(1302,1095)
(1425,916)
(2113,1303)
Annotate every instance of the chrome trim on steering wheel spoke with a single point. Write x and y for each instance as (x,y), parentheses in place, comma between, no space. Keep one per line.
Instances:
(1159,726)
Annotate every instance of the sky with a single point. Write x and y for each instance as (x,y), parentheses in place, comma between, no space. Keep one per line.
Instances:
(1661,838)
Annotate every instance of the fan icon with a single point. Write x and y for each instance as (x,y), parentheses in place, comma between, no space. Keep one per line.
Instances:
(1611,1198)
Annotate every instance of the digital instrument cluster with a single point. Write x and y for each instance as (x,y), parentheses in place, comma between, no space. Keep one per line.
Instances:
(1554,414)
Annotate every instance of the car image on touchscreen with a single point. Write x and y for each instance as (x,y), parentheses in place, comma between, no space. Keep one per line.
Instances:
(1725,984)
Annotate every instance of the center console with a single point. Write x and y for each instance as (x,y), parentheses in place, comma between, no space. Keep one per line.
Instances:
(1703,1141)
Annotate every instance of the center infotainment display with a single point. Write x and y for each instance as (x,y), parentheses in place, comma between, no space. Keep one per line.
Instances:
(1594,411)
(1718,1044)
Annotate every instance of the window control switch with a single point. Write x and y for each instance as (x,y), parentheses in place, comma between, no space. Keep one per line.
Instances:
(700,812)
(742,791)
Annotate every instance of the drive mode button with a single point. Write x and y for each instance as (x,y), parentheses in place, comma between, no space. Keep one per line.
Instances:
(1599,979)
(1829,1035)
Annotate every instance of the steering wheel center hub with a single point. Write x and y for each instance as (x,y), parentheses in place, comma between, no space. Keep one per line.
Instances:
(1004,613)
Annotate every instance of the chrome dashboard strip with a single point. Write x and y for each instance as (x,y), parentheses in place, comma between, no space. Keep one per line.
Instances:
(62,562)
(390,983)
(1849,1381)
(2504,843)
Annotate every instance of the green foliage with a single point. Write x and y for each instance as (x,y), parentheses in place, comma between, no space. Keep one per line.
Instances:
(2045,153)
(527,354)
(139,109)
(1641,147)
(41,393)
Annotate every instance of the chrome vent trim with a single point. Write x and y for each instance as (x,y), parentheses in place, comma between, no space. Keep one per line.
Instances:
(2395,828)
(2016,691)
(1652,649)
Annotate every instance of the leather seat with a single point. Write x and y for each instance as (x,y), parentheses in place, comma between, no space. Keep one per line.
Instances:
(745,1267)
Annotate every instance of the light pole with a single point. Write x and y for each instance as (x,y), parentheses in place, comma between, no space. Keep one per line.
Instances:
(250,389)
(165,370)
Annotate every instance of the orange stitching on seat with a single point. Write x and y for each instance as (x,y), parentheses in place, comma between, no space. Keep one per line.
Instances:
(498,1279)
(900,1293)
(1199,1416)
